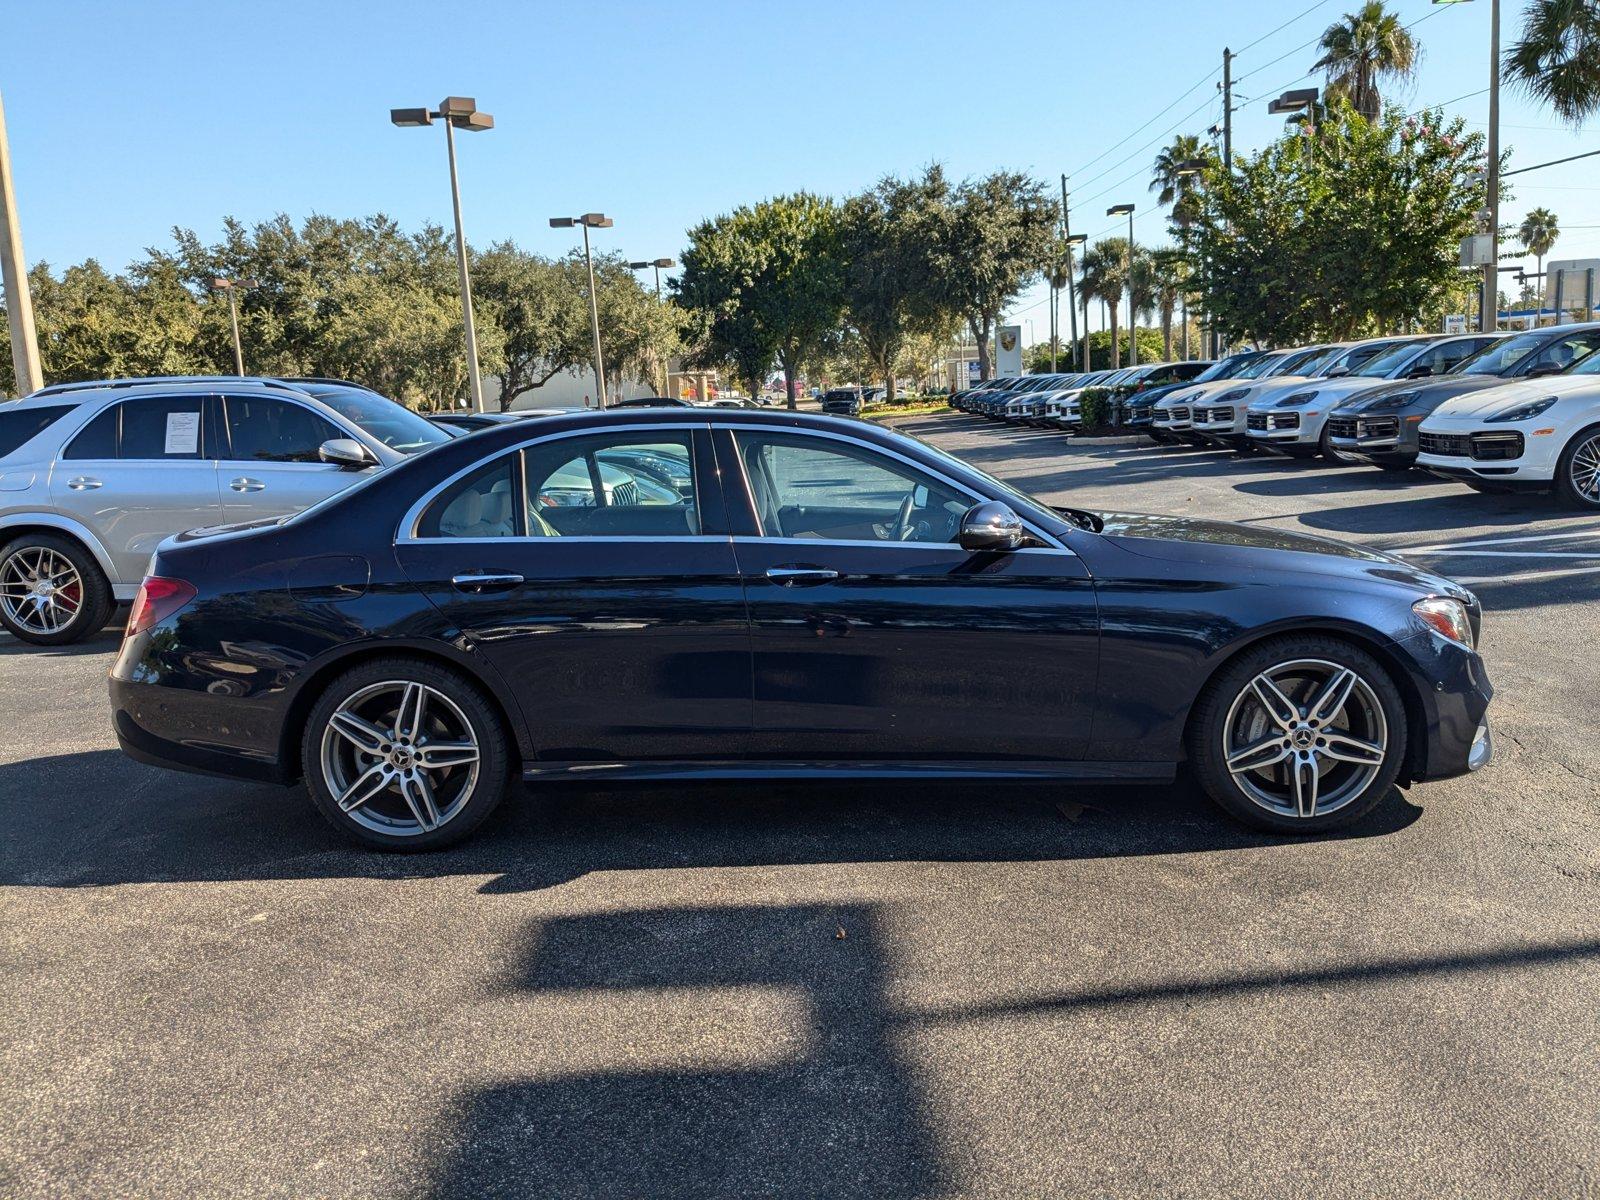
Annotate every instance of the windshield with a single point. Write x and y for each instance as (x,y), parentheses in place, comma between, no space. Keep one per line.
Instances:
(1267,364)
(1226,369)
(1502,356)
(395,425)
(1317,360)
(1391,360)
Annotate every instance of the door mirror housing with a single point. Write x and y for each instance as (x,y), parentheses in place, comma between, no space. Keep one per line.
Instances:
(347,453)
(990,526)
(1338,372)
(1419,372)
(1546,369)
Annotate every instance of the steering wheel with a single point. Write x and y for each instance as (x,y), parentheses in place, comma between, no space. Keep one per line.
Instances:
(904,526)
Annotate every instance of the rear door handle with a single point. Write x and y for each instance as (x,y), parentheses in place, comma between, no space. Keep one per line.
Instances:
(83,483)
(485,582)
(801,576)
(245,484)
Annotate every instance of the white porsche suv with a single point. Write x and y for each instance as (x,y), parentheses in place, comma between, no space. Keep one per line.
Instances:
(1537,434)
(94,476)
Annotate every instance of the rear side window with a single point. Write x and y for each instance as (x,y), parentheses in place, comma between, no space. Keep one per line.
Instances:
(486,504)
(23,425)
(154,429)
(98,439)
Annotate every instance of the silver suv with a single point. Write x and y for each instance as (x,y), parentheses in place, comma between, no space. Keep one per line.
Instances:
(93,476)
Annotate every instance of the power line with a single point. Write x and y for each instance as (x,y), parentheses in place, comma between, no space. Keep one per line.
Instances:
(1206,103)
(1285,25)
(1207,78)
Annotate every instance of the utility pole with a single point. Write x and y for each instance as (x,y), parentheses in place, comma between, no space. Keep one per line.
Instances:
(1488,314)
(1227,154)
(14,274)
(1072,310)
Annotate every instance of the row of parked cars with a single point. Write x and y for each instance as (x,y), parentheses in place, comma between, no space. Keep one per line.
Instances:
(1499,412)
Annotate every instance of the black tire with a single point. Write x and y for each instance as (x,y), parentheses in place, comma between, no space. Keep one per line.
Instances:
(1587,440)
(1326,448)
(1207,733)
(94,598)
(382,821)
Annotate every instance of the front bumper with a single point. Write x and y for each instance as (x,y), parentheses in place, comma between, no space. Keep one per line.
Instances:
(1454,689)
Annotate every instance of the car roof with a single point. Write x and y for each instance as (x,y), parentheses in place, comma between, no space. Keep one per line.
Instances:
(165,385)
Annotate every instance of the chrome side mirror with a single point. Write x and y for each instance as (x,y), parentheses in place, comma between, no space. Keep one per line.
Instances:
(347,453)
(990,526)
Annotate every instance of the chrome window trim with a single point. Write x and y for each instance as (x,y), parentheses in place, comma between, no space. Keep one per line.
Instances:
(405,530)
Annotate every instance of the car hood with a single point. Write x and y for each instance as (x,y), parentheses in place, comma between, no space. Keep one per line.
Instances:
(1151,395)
(1487,402)
(1237,546)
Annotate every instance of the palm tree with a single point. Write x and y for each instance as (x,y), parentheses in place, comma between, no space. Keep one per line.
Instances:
(1167,179)
(1365,48)
(1170,276)
(1539,231)
(1105,278)
(1558,59)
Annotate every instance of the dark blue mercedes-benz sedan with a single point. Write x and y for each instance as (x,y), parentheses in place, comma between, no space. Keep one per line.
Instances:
(698,594)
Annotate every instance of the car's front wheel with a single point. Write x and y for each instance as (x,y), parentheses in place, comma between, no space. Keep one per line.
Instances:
(403,754)
(1299,734)
(51,590)
(1578,472)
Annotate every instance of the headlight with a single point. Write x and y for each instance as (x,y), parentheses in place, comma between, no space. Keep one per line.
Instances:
(1446,617)
(1297,399)
(1390,403)
(1236,394)
(1524,412)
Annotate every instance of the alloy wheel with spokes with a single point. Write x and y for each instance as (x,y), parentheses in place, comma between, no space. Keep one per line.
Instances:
(51,590)
(1299,733)
(1305,738)
(40,589)
(1578,474)
(408,758)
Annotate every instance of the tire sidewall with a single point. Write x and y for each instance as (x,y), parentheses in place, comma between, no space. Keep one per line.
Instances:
(494,749)
(1206,730)
(98,602)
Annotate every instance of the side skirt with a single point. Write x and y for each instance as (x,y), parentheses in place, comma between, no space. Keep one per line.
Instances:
(1071,772)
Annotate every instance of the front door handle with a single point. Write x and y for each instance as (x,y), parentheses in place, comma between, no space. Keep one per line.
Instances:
(803,575)
(83,483)
(485,582)
(245,484)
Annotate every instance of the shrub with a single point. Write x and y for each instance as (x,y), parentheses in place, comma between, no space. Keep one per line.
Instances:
(1094,407)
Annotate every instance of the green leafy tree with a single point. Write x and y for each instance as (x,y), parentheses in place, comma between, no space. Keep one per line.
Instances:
(990,242)
(765,282)
(1539,231)
(1105,278)
(1362,50)
(887,240)
(1355,230)
(539,309)
(1557,59)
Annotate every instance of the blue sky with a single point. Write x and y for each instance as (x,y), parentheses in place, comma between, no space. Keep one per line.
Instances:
(127,119)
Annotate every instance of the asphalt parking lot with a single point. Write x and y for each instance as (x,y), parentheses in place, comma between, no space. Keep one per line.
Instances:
(837,991)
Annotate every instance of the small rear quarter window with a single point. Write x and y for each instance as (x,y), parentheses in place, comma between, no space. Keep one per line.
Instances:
(20,425)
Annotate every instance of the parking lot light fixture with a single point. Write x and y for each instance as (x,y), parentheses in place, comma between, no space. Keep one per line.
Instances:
(233,287)
(456,112)
(660,264)
(1120,210)
(590,221)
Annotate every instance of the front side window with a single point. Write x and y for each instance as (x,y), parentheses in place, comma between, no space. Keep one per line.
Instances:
(635,484)
(1566,352)
(818,489)
(262,429)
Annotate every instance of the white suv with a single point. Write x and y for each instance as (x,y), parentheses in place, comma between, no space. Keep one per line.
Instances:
(94,476)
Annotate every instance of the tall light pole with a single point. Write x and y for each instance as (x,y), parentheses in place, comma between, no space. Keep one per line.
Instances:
(1126,210)
(590,221)
(233,287)
(14,275)
(457,112)
(660,264)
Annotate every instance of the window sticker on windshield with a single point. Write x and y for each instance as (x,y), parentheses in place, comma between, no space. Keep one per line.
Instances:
(183,433)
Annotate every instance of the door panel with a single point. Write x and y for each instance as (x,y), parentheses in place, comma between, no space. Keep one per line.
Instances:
(619,648)
(270,466)
(137,474)
(885,640)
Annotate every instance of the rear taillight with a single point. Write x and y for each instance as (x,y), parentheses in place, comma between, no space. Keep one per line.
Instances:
(157,600)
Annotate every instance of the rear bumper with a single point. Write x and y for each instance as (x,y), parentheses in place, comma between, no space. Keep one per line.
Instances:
(151,728)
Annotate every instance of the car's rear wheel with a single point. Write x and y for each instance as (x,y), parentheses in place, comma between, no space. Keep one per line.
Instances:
(1299,734)
(402,754)
(1578,472)
(51,590)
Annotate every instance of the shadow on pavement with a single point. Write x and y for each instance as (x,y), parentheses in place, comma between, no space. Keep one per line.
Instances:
(96,819)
